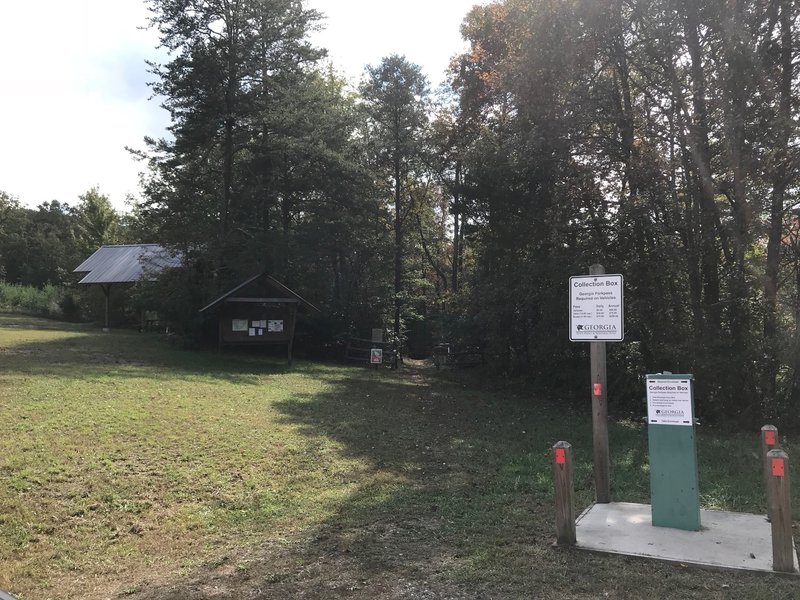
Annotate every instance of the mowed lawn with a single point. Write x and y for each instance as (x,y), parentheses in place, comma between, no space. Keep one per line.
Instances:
(130,469)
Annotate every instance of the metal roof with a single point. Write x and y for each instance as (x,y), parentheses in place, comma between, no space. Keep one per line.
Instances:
(127,263)
(277,284)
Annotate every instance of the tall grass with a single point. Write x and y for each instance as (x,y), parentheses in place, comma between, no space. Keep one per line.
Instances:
(46,302)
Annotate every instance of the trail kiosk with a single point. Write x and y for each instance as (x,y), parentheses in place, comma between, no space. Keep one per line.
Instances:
(259,311)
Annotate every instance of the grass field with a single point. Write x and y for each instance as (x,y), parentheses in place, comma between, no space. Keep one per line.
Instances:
(129,469)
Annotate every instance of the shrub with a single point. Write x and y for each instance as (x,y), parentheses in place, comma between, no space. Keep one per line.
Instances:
(70,307)
(49,301)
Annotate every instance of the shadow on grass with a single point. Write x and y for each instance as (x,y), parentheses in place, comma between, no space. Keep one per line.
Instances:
(455,501)
(85,353)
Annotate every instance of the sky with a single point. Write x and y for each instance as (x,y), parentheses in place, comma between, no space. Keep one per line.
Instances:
(74,94)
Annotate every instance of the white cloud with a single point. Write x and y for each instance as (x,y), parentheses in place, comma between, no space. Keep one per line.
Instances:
(362,32)
(74,88)
(74,97)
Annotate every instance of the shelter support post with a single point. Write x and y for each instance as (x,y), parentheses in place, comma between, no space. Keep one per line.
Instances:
(292,321)
(106,287)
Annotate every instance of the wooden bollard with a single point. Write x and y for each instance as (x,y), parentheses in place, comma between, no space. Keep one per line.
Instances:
(769,441)
(780,511)
(565,494)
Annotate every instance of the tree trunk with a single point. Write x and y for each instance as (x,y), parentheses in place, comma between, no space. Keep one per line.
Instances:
(456,232)
(701,157)
(228,141)
(398,246)
(736,88)
(779,183)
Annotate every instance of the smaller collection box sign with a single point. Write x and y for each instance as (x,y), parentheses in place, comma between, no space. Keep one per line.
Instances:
(669,401)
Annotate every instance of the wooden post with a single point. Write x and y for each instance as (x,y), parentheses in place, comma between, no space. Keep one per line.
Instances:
(565,494)
(600,454)
(106,292)
(292,321)
(769,441)
(220,330)
(780,511)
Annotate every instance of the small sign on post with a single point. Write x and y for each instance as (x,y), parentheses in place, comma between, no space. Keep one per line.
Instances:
(669,401)
(376,356)
(769,438)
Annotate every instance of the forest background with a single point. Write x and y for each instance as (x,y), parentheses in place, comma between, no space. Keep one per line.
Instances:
(656,137)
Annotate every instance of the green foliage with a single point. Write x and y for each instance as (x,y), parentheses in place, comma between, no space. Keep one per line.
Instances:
(43,246)
(98,224)
(48,301)
(38,246)
(70,307)
(396,101)
(264,171)
(634,146)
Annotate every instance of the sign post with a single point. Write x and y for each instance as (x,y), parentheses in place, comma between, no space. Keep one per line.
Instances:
(674,490)
(596,315)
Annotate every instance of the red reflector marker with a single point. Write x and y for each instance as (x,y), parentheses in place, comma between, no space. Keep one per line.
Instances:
(561,456)
(778,468)
(597,389)
(769,438)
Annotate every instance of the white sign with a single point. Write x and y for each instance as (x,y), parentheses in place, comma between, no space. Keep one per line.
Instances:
(376,356)
(275,325)
(596,308)
(669,401)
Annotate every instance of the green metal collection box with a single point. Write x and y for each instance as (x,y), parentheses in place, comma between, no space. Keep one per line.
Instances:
(674,490)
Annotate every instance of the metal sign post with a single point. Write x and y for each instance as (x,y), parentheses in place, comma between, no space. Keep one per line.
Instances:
(596,312)
(674,490)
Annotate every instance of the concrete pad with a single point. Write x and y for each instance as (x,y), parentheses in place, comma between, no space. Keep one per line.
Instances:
(726,540)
